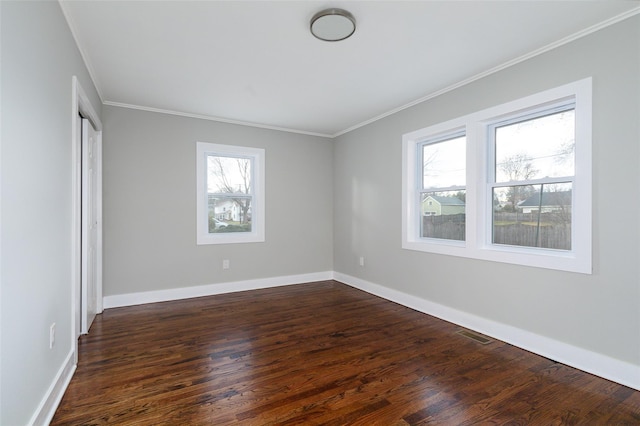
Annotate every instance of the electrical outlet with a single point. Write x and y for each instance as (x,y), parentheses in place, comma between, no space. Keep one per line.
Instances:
(361,260)
(52,335)
(225,264)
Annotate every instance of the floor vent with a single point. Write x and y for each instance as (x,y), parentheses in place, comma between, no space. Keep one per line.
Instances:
(475,336)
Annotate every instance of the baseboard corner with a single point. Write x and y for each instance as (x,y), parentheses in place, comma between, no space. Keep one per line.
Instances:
(179,293)
(600,365)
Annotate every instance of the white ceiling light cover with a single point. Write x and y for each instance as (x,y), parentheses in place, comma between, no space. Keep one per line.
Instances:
(333,25)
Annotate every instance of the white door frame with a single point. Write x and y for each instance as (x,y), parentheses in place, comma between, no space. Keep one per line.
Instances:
(88,293)
(82,105)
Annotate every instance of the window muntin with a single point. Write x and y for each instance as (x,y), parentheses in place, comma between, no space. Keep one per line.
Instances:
(230,194)
(560,167)
(534,153)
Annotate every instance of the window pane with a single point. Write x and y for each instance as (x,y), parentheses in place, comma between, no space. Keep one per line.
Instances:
(533,215)
(443,215)
(229,189)
(444,163)
(229,214)
(231,175)
(536,148)
(230,186)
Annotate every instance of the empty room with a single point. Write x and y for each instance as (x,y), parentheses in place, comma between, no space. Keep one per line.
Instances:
(303,212)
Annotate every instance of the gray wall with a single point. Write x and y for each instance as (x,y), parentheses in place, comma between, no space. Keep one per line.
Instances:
(597,312)
(39,58)
(327,204)
(150,204)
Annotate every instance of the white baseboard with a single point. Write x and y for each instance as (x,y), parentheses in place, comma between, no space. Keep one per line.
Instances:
(131,299)
(600,365)
(47,407)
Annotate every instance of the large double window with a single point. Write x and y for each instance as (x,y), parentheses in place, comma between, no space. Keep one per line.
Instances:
(230,194)
(509,184)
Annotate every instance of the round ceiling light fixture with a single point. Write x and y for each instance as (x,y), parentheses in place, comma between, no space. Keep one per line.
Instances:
(332,25)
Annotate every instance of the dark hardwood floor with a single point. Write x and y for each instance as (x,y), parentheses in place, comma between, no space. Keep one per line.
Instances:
(318,353)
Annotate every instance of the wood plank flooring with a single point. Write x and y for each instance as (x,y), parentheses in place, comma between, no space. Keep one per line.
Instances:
(318,353)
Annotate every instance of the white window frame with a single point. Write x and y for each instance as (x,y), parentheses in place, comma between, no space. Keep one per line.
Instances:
(478,243)
(257,233)
(441,137)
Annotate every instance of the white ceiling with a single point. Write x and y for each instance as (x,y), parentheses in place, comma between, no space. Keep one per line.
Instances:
(255,62)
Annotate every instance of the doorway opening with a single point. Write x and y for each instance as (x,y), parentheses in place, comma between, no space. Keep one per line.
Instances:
(86,214)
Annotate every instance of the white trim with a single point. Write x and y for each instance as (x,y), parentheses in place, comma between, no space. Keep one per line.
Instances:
(99,237)
(477,244)
(505,65)
(85,57)
(257,233)
(218,119)
(600,365)
(1,186)
(49,404)
(131,299)
(551,46)
(591,362)
(80,103)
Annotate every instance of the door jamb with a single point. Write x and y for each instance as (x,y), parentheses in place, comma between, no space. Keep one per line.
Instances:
(82,105)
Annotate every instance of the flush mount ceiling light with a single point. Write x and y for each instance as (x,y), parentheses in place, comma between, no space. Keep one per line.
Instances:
(332,25)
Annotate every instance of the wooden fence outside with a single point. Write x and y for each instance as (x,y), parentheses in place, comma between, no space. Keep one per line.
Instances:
(519,229)
(448,227)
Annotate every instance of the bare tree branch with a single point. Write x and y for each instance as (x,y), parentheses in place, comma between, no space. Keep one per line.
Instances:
(220,172)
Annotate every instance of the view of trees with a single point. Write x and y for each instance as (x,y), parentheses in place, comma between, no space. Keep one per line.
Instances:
(229,181)
(518,167)
(531,215)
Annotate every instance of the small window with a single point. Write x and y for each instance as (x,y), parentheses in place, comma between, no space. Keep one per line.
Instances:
(230,201)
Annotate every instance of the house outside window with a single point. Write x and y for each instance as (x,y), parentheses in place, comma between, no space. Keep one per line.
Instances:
(442,188)
(230,194)
(533,173)
(526,193)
